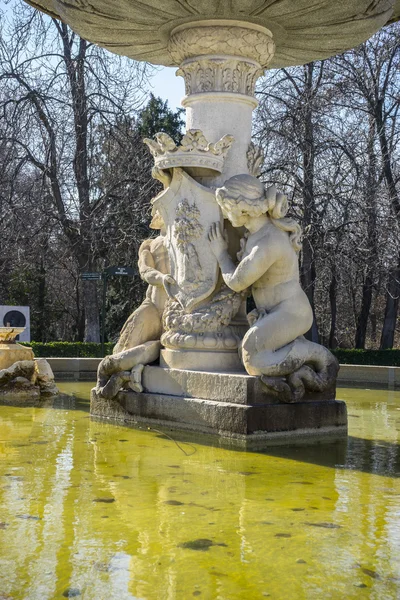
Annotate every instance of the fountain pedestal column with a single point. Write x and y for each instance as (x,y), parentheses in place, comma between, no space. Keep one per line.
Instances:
(220,62)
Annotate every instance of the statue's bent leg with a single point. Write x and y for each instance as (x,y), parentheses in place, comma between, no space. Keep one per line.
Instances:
(268,347)
(114,384)
(143,325)
(117,367)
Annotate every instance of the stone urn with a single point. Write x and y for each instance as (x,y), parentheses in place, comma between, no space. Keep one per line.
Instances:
(10,351)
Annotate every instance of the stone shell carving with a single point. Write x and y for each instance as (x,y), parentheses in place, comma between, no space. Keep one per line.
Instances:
(194,150)
(231,41)
(220,75)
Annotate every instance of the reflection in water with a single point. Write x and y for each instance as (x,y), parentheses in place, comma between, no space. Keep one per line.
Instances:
(99,511)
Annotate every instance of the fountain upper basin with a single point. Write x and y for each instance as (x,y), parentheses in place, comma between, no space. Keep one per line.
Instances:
(9,334)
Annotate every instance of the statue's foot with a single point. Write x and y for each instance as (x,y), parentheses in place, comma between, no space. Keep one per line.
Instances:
(304,379)
(135,381)
(278,387)
(114,385)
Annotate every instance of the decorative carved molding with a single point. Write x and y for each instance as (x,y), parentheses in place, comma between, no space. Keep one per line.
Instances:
(193,151)
(206,327)
(219,39)
(187,229)
(219,74)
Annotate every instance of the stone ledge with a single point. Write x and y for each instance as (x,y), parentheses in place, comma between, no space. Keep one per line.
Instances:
(85,369)
(277,422)
(61,365)
(236,388)
(370,375)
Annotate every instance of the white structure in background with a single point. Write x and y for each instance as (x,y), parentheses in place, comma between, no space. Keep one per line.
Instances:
(17,316)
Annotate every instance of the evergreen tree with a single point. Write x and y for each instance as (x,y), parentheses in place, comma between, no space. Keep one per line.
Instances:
(157,116)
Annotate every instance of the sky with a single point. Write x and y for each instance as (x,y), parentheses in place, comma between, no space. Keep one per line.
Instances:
(169,87)
(164,83)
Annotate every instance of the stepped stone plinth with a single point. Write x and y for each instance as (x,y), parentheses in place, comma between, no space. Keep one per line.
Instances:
(233,406)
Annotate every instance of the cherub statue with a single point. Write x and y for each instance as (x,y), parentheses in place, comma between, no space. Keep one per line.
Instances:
(145,323)
(274,347)
(139,343)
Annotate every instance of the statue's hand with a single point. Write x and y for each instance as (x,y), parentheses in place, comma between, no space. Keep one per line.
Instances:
(255,315)
(168,281)
(217,240)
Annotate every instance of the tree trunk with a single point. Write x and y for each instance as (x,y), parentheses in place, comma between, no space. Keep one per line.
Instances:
(362,320)
(391,309)
(333,303)
(308,273)
(372,251)
(76,76)
(40,330)
(393,290)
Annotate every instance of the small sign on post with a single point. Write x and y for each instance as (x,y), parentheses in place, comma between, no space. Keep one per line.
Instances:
(91,276)
(109,272)
(120,271)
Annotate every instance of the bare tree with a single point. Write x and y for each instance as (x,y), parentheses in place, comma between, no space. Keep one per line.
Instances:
(57,90)
(370,74)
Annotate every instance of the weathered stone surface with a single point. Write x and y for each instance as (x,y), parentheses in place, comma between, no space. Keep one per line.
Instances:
(21,368)
(43,370)
(303,30)
(223,362)
(274,423)
(12,353)
(236,388)
(25,381)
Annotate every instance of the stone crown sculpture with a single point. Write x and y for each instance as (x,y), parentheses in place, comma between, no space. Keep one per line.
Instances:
(193,151)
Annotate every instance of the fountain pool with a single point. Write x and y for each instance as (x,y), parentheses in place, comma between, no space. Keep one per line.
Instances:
(100,511)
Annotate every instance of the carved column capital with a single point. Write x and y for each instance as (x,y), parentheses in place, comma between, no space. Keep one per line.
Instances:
(224,57)
(220,74)
(242,40)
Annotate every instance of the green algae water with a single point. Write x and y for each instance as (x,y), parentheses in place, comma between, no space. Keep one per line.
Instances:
(98,511)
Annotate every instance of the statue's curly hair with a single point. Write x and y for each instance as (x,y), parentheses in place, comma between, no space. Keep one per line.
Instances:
(247,194)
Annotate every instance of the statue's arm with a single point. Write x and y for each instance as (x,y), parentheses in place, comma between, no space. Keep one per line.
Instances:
(248,271)
(146,265)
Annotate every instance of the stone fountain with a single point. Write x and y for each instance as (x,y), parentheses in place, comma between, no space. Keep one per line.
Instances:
(23,379)
(189,357)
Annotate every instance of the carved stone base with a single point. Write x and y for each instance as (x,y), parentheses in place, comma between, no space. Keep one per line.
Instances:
(227,362)
(237,409)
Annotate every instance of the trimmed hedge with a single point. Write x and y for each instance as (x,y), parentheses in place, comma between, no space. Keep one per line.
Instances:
(389,358)
(69,349)
(386,358)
